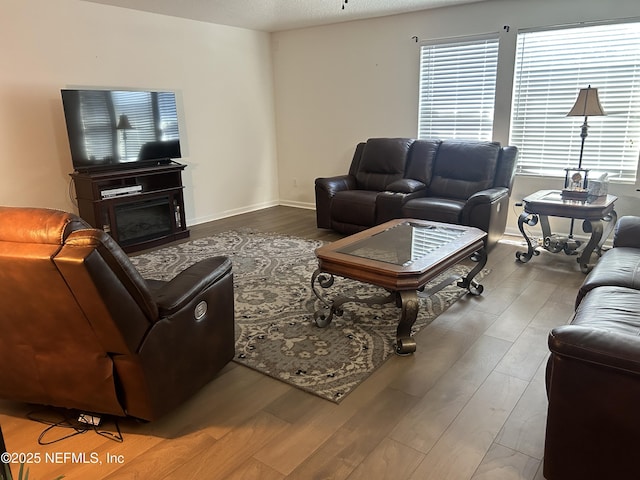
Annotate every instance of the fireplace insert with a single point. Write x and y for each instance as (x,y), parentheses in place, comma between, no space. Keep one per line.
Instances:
(143,220)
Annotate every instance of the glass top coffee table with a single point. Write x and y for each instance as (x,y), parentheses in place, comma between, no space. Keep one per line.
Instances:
(401,256)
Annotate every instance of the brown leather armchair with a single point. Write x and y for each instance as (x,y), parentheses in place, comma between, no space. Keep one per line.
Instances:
(81,329)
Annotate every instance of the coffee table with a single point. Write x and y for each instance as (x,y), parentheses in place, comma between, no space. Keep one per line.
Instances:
(597,213)
(401,256)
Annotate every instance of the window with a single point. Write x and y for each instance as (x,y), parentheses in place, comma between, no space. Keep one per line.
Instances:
(457,89)
(551,67)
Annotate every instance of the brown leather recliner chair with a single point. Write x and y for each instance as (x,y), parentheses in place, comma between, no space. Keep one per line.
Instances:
(81,329)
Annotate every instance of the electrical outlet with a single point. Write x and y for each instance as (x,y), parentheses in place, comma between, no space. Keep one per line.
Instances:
(89,419)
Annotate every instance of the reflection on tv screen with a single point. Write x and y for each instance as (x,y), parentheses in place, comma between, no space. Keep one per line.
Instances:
(120,128)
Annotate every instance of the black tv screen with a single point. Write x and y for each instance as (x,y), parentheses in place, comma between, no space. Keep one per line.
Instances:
(120,128)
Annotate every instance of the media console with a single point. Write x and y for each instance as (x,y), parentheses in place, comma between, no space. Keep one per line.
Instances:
(140,207)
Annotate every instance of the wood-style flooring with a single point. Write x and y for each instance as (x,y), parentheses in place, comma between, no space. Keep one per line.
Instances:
(469,404)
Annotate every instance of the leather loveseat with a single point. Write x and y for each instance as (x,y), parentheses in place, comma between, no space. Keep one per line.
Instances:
(451,181)
(593,373)
(82,330)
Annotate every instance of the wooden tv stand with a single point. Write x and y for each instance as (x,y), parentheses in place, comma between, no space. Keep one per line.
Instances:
(141,207)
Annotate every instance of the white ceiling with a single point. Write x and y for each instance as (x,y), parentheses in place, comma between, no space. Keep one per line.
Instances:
(277,15)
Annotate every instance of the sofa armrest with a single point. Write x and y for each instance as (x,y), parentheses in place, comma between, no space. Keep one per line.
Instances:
(597,346)
(184,287)
(333,185)
(406,185)
(188,346)
(491,195)
(627,232)
(477,209)
(389,203)
(593,390)
(326,188)
(487,210)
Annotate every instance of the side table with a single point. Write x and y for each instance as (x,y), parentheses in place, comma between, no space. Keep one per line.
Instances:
(597,213)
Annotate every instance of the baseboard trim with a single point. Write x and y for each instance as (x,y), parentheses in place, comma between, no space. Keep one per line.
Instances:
(232,213)
(305,205)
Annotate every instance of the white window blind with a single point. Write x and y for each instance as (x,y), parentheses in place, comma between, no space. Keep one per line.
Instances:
(98,120)
(138,108)
(168,116)
(551,67)
(457,89)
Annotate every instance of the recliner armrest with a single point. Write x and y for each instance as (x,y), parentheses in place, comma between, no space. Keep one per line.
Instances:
(627,232)
(481,201)
(597,346)
(180,290)
(333,185)
(406,185)
(488,196)
(389,203)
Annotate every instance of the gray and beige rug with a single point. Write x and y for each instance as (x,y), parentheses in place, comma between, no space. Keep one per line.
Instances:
(274,306)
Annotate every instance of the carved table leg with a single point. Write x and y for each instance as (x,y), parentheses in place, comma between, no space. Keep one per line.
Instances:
(468,282)
(405,344)
(545,226)
(324,315)
(610,222)
(530,219)
(597,239)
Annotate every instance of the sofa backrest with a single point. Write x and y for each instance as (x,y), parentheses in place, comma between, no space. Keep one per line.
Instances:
(506,169)
(422,159)
(383,161)
(112,293)
(463,168)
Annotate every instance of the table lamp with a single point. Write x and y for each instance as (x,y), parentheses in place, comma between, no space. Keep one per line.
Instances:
(124,125)
(587,105)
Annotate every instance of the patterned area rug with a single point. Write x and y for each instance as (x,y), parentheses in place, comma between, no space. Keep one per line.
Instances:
(274,309)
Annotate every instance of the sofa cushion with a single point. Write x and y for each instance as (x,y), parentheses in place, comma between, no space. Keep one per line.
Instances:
(421,160)
(611,308)
(434,209)
(357,207)
(383,162)
(463,168)
(619,266)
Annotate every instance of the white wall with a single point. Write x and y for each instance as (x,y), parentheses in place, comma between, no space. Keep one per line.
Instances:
(222,75)
(334,86)
(340,84)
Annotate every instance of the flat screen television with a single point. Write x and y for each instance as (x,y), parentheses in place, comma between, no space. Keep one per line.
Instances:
(112,129)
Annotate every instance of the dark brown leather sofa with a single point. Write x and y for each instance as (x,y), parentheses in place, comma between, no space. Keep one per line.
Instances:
(593,373)
(81,329)
(451,181)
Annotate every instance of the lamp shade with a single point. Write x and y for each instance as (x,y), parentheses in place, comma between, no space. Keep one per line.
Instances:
(587,104)
(123,123)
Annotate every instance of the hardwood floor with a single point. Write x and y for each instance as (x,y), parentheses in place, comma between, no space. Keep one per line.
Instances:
(469,404)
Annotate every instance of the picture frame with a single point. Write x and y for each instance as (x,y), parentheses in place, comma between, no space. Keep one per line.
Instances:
(576,183)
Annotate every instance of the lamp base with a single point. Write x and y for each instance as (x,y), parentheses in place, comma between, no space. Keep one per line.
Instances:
(575,194)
